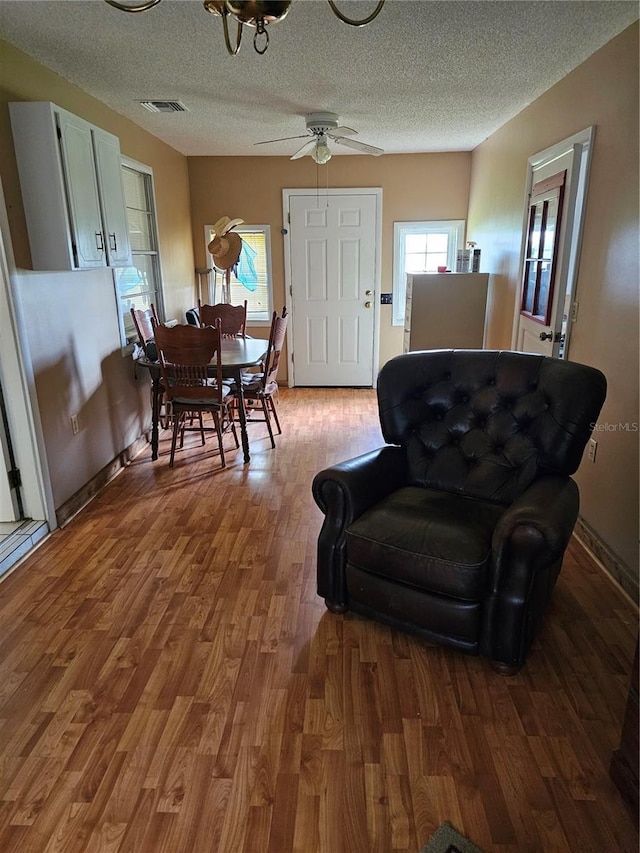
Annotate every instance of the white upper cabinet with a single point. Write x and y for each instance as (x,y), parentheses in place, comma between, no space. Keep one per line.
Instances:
(106,149)
(71,182)
(81,185)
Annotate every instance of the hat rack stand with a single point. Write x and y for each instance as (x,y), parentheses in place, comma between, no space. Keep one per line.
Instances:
(208,284)
(224,249)
(226,285)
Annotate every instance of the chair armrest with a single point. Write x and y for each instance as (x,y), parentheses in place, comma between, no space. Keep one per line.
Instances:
(539,522)
(343,492)
(363,480)
(527,550)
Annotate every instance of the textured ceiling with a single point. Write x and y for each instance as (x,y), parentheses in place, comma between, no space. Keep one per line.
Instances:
(426,75)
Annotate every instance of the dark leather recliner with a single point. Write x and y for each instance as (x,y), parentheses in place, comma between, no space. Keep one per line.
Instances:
(456,529)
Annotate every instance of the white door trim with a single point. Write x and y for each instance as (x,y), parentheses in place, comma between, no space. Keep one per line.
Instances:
(581,144)
(19,390)
(286,195)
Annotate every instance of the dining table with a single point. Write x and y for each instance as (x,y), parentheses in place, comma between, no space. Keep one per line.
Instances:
(236,355)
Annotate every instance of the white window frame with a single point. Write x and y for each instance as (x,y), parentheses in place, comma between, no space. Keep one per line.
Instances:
(240,230)
(136,166)
(453,228)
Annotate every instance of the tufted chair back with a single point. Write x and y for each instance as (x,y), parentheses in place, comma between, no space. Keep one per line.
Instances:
(486,424)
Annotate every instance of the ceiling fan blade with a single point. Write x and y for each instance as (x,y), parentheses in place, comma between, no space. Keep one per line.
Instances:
(284,139)
(341,131)
(306,148)
(360,146)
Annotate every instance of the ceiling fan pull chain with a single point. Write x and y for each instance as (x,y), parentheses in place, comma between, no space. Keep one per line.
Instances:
(326,197)
(261,31)
(351,21)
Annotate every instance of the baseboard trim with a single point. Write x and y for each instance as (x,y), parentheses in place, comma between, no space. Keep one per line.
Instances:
(81,498)
(615,567)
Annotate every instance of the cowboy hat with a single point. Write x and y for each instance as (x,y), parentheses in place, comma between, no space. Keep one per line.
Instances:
(225,224)
(225,250)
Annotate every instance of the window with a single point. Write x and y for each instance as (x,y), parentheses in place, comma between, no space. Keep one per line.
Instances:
(140,284)
(545,209)
(252,278)
(421,247)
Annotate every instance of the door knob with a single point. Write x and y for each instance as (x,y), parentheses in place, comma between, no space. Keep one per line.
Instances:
(368,292)
(367,305)
(546,336)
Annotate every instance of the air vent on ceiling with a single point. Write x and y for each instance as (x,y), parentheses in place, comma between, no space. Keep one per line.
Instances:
(164,106)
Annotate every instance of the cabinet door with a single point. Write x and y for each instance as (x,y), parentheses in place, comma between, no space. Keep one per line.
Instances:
(114,215)
(82,191)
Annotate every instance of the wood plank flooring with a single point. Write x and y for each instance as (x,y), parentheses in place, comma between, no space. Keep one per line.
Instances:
(171,683)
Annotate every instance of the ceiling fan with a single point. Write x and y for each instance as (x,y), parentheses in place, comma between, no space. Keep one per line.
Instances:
(321,127)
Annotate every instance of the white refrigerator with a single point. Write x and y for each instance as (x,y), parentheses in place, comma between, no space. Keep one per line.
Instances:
(445,311)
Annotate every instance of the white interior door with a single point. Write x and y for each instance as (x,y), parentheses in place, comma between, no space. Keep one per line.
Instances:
(557,185)
(333,270)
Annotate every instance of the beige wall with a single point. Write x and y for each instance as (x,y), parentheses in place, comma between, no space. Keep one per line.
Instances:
(78,364)
(414,187)
(71,318)
(601,92)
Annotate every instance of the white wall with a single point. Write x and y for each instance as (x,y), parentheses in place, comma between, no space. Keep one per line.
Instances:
(74,342)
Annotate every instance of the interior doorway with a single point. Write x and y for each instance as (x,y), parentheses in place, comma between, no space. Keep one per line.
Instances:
(27,512)
(556,194)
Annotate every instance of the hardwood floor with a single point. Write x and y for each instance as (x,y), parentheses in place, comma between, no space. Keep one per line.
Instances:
(171,683)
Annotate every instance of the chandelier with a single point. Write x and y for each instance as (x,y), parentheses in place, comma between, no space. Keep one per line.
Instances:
(253,13)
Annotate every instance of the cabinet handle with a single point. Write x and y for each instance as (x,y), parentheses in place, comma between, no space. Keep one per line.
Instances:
(99,241)
(113,243)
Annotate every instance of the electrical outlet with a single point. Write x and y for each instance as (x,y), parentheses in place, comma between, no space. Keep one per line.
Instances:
(74,424)
(591,450)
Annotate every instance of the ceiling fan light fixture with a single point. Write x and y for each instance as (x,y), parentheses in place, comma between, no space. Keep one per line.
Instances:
(252,13)
(321,153)
(322,127)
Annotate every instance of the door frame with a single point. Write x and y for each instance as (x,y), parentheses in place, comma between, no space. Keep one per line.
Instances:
(288,278)
(581,144)
(18,382)
(11,507)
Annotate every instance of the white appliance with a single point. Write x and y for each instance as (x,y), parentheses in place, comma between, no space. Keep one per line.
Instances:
(445,311)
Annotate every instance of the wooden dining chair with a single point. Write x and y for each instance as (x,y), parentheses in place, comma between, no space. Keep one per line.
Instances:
(189,359)
(233,318)
(262,388)
(142,323)
(143,320)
